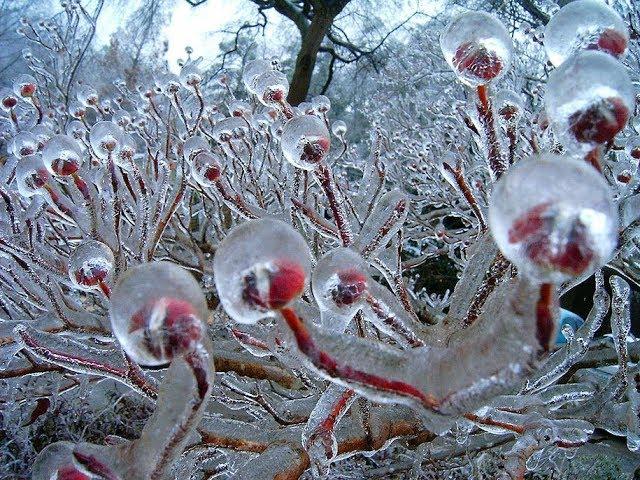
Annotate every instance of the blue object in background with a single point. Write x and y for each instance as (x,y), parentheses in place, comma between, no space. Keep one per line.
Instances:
(567,318)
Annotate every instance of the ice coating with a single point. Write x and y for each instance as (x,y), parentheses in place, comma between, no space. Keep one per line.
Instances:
(477,47)
(509,105)
(271,87)
(24,144)
(229,128)
(156,312)
(340,281)
(193,146)
(585,107)
(91,265)
(633,148)
(25,86)
(555,233)
(31,176)
(190,75)
(585,25)
(339,128)
(252,70)
(260,266)
(105,138)
(62,155)
(205,169)
(305,141)
(87,95)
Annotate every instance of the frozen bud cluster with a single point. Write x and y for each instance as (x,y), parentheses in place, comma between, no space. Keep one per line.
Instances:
(340,281)
(305,141)
(585,25)
(586,107)
(477,47)
(260,266)
(62,155)
(554,218)
(157,312)
(91,265)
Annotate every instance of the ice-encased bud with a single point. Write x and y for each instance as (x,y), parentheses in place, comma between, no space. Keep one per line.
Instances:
(588,100)
(205,169)
(339,128)
(90,265)
(260,267)
(76,129)
(190,75)
(633,148)
(252,70)
(271,87)
(168,83)
(239,108)
(24,144)
(340,281)
(305,141)
(25,86)
(121,117)
(509,105)
(156,312)
(77,109)
(126,152)
(62,155)
(229,128)
(478,48)
(585,25)
(87,95)
(321,103)
(31,176)
(193,146)
(56,462)
(42,133)
(105,138)
(554,218)
(8,100)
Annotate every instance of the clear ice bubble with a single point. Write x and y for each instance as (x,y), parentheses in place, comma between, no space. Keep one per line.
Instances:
(24,86)
(340,281)
(8,100)
(91,265)
(554,218)
(157,312)
(42,133)
(24,144)
(190,75)
(585,25)
(77,109)
(193,146)
(252,70)
(76,129)
(205,169)
(226,129)
(339,128)
(122,118)
(271,87)
(509,105)
(260,267)
(305,141)
(105,138)
(588,100)
(321,103)
(87,95)
(478,48)
(31,176)
(62,155)
(240,108)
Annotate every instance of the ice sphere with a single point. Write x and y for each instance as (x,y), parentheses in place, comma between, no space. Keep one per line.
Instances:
(62,155)
(8,100)
(240,108)
(260,266)
(25,85)
(321,103)
(205,169)
(156,312)
(585,25)
(271,87)
(77,109)
(340,281)
(633,148)
(588,100)
(554,218)
(478,48)
(252,70)
(305,141)
(193,146)
(229,128)
(190,75)
(42,133)
(509,105)
(31,176)
(105,138)
(76,129)
(339,128)
(168,83)
(90,265)
(87,95)
(126,152)
(122,118)
(24,144)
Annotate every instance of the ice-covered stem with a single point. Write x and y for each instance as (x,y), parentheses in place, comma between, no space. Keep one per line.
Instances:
(485,113)
(621,323)
(546,314)
(593,158)
(391,321)
(496,272)
(334,197)
(467,193)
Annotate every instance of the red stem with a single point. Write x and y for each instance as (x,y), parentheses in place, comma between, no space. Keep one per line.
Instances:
(485,113)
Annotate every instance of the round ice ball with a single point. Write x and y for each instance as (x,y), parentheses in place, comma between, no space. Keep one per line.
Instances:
(588,100)
(260,267)
(31,176)
(157,311)
(554,218)
(91,265)
(585,25)
(340,281)
(271,87)
(205,169)
(305,141)
(478,48)
(254,69)
(62,155)
(105,138)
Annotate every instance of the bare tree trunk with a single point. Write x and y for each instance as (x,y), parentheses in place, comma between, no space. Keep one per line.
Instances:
(307,56)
